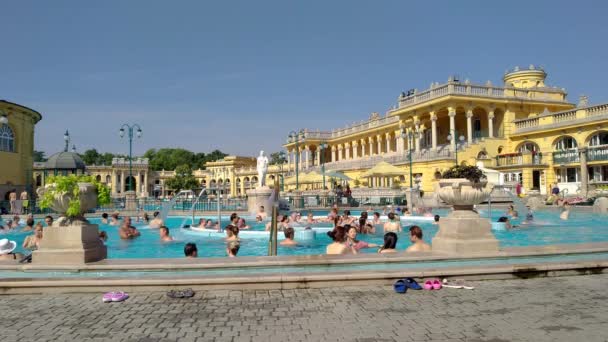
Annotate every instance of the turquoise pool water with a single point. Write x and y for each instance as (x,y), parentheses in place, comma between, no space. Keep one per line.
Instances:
(547,229)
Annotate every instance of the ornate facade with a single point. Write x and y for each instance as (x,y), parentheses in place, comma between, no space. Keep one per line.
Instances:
(16,147)
(523,128)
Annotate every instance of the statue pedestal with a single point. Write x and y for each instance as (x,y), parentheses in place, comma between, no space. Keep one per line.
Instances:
(75,244)
(130,201)
(464,232)
(412,196)
(258,197)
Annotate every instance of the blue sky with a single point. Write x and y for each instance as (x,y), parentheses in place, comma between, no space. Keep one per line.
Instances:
(239,75)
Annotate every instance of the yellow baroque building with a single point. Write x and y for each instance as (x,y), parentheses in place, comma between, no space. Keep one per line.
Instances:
(526,131)
(17,124)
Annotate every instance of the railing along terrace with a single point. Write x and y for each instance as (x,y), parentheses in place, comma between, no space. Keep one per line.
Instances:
(597,153)
(566,156)
(394,158)
(513,159)
(563,118)
(488,90)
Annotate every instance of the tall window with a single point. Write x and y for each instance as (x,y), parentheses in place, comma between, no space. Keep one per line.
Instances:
(528,147)
(599,139)
(7,138)
(565,143)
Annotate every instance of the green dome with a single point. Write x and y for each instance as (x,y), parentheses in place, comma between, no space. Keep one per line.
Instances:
(65,161)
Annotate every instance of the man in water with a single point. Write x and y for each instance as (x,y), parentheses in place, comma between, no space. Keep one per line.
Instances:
(190,250)
(565,214)
(48,220)
(262,213)
(289,234)
(418,245)
(505,220)
(164,234)
(127,231)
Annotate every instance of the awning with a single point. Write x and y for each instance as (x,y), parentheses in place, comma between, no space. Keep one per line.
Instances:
(383,169)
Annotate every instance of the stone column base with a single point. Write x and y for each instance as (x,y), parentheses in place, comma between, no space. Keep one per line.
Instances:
(130,201)
(75,244)
(464,232)
(258,197)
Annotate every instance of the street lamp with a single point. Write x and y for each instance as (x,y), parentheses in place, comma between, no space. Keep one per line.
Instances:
(295,138)
(122,134)
(410,138)
(322,147)
(460,138)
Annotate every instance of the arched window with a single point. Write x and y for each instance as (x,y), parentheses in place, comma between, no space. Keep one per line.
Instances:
(565,143)
(98,178)
(7,138)
(528,147)
(599,139)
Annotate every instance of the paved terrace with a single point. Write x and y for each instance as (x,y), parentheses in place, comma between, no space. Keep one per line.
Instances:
(541,309)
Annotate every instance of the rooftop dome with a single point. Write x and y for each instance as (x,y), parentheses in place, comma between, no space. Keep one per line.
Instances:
(65,161)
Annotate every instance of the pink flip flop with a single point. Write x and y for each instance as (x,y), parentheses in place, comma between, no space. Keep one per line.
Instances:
(114,297)
(428,285)
(436,284)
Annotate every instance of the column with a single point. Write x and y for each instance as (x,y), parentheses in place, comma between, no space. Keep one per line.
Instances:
(491,124)
(363,145)
(371,145)
(307,154)
(469,126)
(288,161)
(434,131)
(318,155)
(584,171)
(146,183)
(333,154)
(417,136)
(355,149)
(347,151)
(399,143)
(452,115)
(242,187)
(379,144)
(301,158)
(387,138)
(122,181)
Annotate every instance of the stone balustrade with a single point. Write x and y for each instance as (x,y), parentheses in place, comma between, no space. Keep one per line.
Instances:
(457,88)
(561,119)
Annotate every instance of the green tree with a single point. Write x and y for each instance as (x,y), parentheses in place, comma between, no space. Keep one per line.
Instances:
(39,156)
(278,158)
(183,180)
(91,157)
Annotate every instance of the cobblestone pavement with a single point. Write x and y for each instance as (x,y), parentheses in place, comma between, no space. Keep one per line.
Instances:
(547,309)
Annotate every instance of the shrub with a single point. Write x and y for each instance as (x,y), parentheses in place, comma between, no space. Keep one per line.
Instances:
(472,173)
(69,185)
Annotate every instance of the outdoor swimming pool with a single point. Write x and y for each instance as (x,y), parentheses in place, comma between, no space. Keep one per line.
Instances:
(547,229)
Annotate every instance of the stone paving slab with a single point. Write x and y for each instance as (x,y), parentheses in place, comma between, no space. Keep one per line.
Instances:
(542,309)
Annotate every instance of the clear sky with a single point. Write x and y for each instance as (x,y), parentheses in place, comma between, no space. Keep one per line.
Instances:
(239,75)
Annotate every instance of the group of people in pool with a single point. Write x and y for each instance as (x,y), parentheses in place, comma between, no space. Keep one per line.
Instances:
(512,213)
(30,243)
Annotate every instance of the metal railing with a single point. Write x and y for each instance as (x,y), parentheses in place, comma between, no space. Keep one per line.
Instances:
(319,201)
(513,159)
(597,153)
(566,156)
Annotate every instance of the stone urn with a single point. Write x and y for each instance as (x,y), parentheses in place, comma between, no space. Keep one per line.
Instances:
(87,197)
(71,240)
(463,231)
(463,194)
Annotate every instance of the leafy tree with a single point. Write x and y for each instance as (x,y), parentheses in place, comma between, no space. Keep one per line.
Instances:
(39,156)
(277,158)
(170,158)
(91,157)
(183,180)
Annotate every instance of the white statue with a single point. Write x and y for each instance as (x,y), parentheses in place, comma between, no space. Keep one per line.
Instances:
(262,169)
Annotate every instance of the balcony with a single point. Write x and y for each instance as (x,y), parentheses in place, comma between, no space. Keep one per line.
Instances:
(519,159)
(547,121)
(566,157)
(598,153)
(545,94)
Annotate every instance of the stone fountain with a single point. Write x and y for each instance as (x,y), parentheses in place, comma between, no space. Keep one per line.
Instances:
(71,241)
(463,231)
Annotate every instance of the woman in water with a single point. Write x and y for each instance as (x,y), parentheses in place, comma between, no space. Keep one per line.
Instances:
(376,219)
(352,242)
(242,224)
(310,219)
(512,212)
(32,242)
(393,225)
(347,219)
(232,233)
(338,235)
(390,243)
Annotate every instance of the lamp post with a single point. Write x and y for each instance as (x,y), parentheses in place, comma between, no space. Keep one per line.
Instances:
(130,129)
(66,138)
(460,138)
(295,138)
(409,137)
(322,147)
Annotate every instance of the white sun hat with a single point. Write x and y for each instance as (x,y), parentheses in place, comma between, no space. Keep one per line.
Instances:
(7,246)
